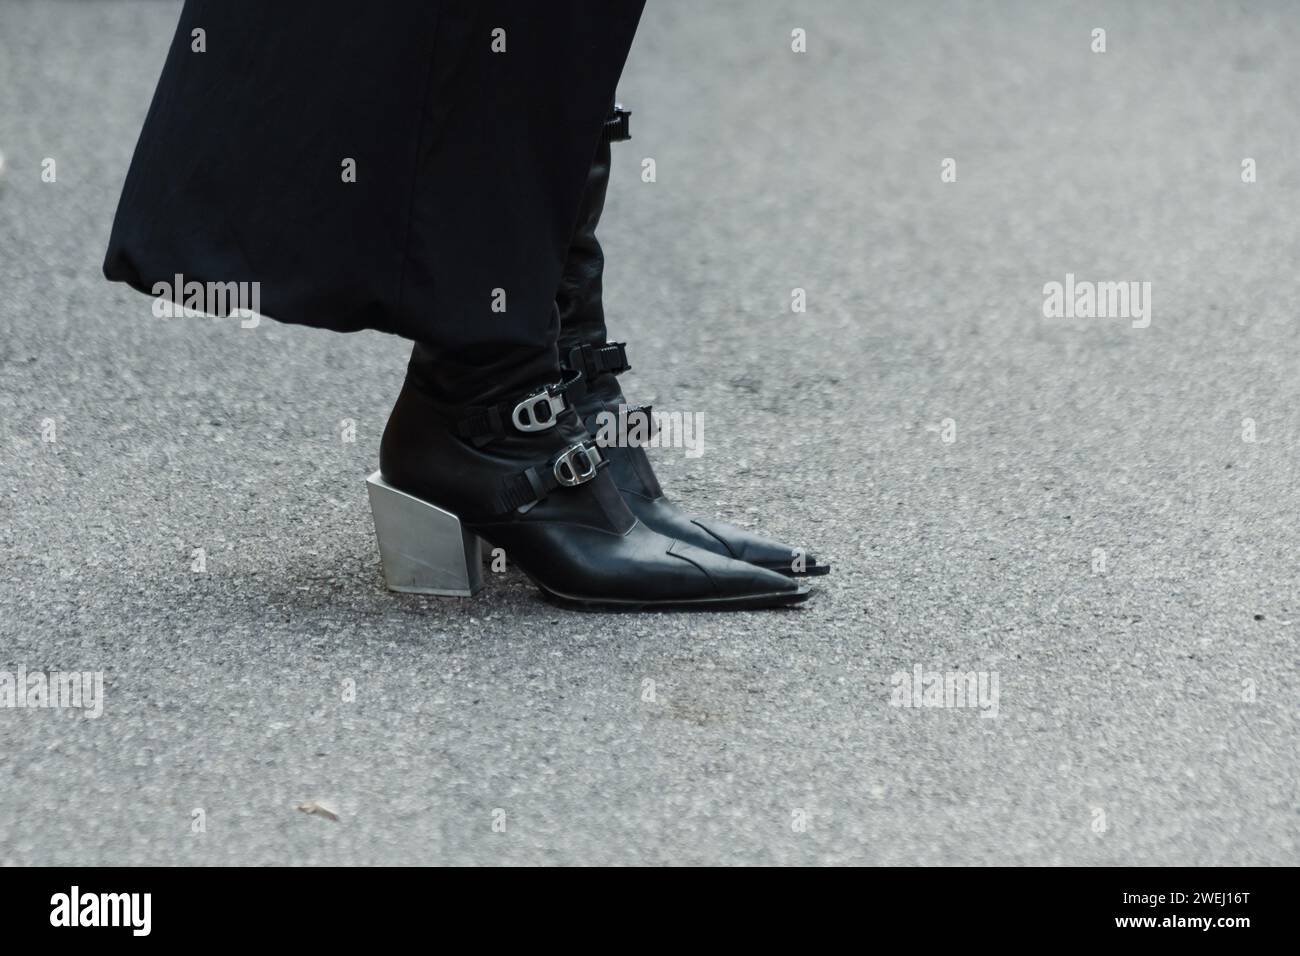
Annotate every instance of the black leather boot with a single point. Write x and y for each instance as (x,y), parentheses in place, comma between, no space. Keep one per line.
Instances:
(524,475)
(584,348)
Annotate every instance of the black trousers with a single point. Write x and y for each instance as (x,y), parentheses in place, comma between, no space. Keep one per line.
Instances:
(471,125)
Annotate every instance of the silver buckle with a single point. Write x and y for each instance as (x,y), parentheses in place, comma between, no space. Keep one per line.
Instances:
(577,465)
(552,405)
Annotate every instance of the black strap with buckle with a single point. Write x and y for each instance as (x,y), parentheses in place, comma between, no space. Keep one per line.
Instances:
(537,412)
(574,466)
(593,360)
(617,128)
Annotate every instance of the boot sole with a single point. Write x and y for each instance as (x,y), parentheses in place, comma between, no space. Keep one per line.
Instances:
(744,602)
(812,571)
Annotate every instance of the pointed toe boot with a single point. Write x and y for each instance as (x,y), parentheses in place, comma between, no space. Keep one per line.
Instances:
(524,475)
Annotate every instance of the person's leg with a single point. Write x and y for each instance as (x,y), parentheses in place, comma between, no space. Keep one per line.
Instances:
(505,177)
(416,167)
(584,346)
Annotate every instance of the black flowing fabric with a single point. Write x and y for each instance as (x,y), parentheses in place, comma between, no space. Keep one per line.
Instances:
(470,164)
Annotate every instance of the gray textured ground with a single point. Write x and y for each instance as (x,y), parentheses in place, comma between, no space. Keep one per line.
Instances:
(1121,692)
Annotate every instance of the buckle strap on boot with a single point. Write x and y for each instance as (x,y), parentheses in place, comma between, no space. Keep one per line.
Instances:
(574,466)
(617,128)
(593,360)
(537,412)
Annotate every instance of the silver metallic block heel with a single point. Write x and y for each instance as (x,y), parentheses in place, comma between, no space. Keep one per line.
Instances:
(424,549)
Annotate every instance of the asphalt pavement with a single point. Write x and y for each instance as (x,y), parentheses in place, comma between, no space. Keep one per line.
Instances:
(1100,516)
